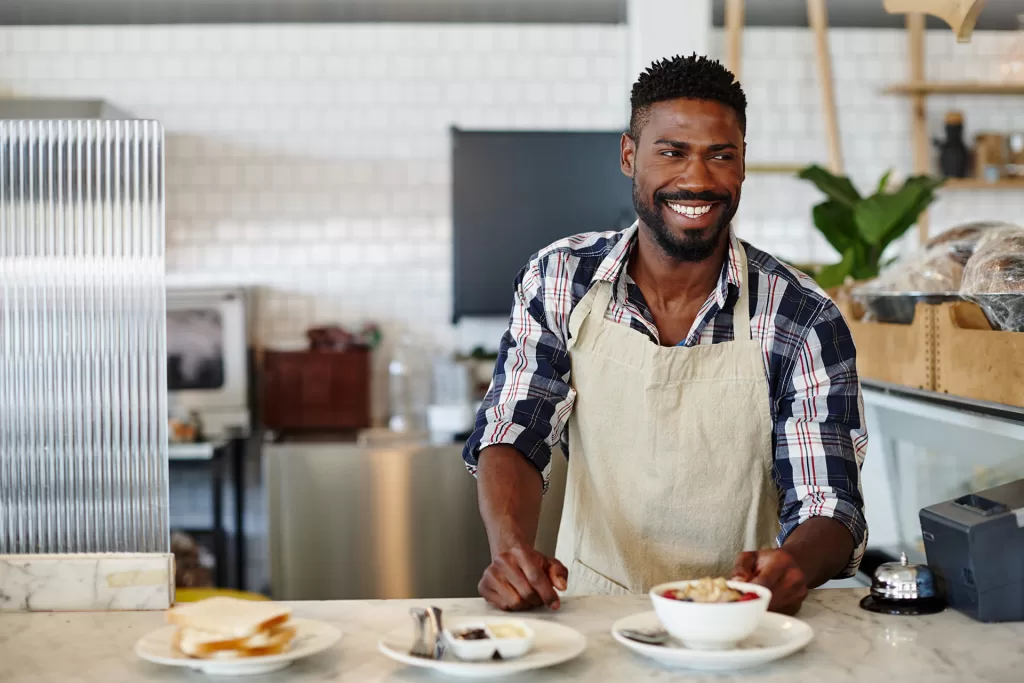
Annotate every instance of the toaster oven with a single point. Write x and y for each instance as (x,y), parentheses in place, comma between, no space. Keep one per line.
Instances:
(207,358)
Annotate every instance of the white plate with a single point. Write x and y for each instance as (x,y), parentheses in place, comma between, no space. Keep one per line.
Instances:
(552,644)
(311,637)
(777,636)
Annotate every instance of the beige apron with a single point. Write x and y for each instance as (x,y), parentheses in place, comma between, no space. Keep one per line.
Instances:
(670,467)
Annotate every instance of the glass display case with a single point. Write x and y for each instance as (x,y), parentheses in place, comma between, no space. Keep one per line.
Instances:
(926,448)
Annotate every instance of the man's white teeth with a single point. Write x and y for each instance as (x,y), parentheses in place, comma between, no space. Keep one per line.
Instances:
(690,211)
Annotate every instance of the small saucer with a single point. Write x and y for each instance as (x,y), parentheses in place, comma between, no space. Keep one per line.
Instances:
(777,636)
(311,637)
(553,644)
(918,607)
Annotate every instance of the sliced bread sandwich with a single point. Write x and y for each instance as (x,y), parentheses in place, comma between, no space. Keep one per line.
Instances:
(206,645)
(229,627)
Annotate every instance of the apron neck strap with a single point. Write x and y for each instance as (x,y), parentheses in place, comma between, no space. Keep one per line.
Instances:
(741,312)
(593,305)
(602,298)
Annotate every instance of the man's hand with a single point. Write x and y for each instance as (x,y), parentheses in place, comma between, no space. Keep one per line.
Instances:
(521,578)
(776,570)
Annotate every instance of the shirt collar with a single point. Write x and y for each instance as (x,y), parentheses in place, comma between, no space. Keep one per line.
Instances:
(613,264)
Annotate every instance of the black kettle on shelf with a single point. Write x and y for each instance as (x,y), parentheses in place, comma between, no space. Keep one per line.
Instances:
(954,156)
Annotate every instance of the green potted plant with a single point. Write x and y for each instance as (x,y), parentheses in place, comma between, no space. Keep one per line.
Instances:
(860,228)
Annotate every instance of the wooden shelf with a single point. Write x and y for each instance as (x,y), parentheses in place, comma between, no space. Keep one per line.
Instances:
(961,15)
(955,88)
(979,184)
(786,169)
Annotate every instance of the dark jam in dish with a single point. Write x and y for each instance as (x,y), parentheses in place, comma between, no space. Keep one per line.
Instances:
(675,594)
(472,634)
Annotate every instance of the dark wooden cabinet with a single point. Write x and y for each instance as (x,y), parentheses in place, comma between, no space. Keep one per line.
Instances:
(316,390)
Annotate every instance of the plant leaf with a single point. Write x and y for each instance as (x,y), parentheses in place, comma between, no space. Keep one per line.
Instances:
(879,215)
(835,221)
(836,187)
(884,181)
(882,218)
(835,274)
(925,188)
(864,269)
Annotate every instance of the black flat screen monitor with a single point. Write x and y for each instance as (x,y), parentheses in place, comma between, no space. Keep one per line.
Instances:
(514,193)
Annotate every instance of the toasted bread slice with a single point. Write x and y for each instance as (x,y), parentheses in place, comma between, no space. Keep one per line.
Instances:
(204,645)
(229,617)
(277,638)
(256,652)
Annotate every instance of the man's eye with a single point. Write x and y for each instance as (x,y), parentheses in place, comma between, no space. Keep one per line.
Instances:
(724,157)
(671,153)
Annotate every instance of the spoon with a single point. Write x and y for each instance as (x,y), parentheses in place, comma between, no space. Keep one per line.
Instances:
(648,637)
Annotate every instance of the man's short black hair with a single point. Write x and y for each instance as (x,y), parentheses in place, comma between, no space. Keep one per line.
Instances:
(694,78)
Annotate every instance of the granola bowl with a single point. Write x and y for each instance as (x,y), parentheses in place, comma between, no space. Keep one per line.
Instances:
(710,614)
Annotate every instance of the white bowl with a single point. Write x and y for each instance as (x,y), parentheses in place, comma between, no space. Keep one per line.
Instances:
(477,650)
(710,625)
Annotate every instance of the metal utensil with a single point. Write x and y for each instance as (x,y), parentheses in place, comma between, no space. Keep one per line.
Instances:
(652,637)
(435,620)
(421,647)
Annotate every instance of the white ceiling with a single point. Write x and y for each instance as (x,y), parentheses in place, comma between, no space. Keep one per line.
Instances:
(998,14)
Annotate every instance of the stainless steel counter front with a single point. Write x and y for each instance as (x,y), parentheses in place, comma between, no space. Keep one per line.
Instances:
(354,522)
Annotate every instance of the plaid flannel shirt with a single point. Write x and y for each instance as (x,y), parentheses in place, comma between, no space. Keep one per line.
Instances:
(819,438)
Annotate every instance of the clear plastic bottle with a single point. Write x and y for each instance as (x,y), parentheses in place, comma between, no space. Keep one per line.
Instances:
(399,388)
(407,405)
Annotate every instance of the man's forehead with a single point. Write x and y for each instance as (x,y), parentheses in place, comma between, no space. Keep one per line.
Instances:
(691,113)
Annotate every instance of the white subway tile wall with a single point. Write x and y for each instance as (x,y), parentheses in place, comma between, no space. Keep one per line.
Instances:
(785,125)
(312,162)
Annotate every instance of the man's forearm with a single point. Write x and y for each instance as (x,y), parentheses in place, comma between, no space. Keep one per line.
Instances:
(821,547)
(510,490)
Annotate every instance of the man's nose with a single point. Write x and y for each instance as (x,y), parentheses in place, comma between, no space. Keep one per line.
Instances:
(695,177)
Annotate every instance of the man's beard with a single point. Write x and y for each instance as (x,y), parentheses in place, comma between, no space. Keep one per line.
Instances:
(695,245)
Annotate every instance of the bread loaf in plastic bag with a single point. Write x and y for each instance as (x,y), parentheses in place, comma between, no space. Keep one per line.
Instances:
(936,271)
(994,279)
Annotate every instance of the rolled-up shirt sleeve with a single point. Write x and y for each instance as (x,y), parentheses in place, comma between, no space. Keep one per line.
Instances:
(530,398)
(820,435)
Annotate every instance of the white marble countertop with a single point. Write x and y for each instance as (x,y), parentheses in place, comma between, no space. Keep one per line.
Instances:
(850,645)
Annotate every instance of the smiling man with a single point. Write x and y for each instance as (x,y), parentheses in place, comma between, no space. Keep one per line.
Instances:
(706,394)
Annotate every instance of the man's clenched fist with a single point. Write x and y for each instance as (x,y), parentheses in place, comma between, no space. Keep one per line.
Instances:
(776,570)
(521,578)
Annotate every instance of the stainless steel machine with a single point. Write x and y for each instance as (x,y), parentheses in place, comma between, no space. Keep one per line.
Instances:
(399,520)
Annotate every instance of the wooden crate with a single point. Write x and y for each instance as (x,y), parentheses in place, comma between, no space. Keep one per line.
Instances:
(889,352)
(973,360)
(318,390)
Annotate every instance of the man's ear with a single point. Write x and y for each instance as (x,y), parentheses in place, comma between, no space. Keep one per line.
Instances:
(627,154)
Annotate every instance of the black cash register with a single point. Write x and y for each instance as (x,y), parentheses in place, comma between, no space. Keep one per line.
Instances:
(975,548)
